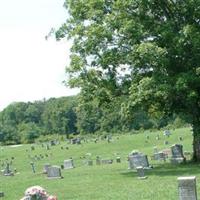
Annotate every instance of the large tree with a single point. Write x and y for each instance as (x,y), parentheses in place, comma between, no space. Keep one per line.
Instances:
(146,50)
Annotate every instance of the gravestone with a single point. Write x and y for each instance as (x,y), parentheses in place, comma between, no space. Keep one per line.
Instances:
(45,169)
(167,152)
(7,171)
(166,133)
(1,194)
(140,171)
(109,138)
(159,156)
(138,159)
(54,172)
(118,160)
(89,162)
(177,154)
(98,160)
(53,142)
(68,164)
(180,138)
(187,188)
(166,142)
(76,141)
(155,149)
(33,167)
(106,161)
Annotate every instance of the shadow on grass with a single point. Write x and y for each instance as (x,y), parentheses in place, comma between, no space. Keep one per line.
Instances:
(186,169)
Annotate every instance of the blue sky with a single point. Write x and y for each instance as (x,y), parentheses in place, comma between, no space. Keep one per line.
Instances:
(31,68)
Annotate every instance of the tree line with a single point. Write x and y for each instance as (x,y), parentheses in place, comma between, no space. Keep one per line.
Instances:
(67,116)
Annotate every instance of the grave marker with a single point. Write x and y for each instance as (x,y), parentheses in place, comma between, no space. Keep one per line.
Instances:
(45,169)
(159,156)
(140,171)
(106,161)
(33,167)
(98,160)
(68,164)
(177,154)
(7,171)
(137,159)
(1,194)
(118,159)
(89,162)
(187,188)
(54,172)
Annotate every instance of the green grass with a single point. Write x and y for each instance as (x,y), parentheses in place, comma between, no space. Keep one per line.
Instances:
(104,182)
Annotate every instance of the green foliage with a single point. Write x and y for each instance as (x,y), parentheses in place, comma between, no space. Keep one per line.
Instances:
(144,51)
(25,122)
(28,132)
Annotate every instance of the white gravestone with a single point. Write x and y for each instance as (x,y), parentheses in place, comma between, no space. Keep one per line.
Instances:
(68,164)
(187,188)
(54,172)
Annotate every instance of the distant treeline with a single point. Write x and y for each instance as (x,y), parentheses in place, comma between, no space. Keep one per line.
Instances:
(25,122)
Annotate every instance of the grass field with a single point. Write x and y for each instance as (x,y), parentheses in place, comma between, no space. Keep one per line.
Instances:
(105,182)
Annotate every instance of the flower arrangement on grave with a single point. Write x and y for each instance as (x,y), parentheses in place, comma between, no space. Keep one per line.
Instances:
(37,193)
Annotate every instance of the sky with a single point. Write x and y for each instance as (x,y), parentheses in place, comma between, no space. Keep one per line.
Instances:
(31,67)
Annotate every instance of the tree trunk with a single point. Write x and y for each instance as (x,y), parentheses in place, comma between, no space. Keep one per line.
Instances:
(196,142)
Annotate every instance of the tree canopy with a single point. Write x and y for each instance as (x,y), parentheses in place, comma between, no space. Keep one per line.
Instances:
(145,52)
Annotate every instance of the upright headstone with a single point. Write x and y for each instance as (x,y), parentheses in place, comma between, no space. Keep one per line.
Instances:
(45,169)
(166,142)
(78,141)
(89,162)
(54,172)
(118,159)
(187,188)
(137,160)
(98,160)
(109,138)
(167,133)
(180,138)
(53,142)
(1,194)
(159,156)
(68,164)
(33,167)
(155,149)
(177,154)
(140,171)
(7,171)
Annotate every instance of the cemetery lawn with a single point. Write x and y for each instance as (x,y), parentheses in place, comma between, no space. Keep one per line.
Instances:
(104,182)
